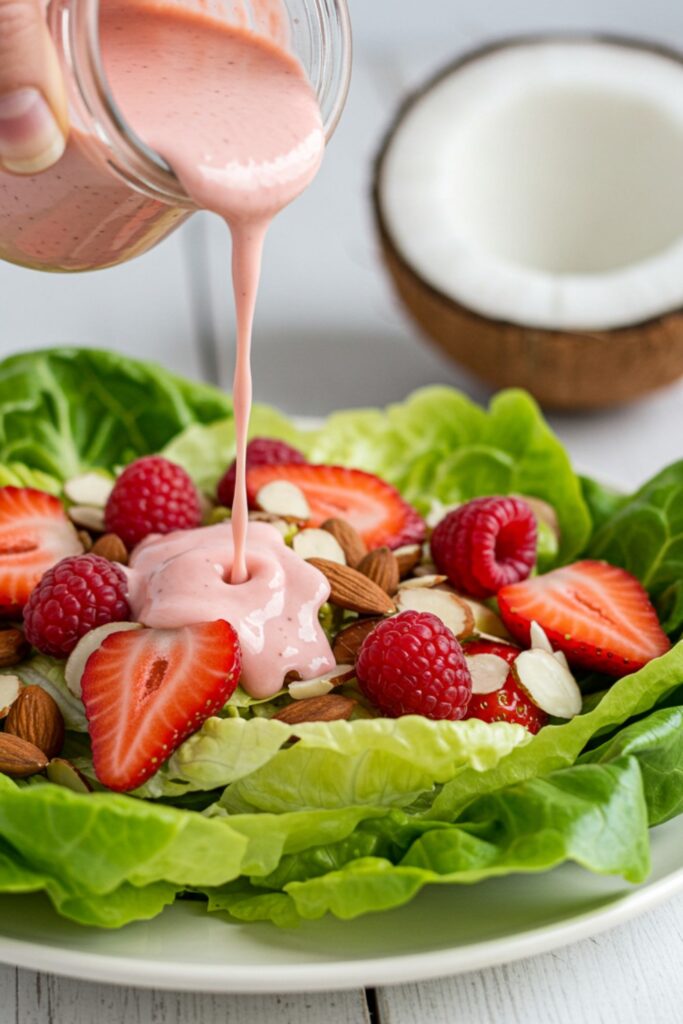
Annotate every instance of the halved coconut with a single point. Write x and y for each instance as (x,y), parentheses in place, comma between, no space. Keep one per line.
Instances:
(530,208)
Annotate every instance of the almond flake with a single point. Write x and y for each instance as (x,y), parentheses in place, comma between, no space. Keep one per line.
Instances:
(314,543)
(488,672)
(485,620)
(452,611)
(426,582)
(89,489)
(322,684)
(283,498)
(88,517)
(63,773)
(408,558)
(9,691)
(539,639)
(549,684)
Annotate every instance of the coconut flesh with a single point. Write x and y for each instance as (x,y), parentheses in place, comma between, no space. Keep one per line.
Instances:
(540,184)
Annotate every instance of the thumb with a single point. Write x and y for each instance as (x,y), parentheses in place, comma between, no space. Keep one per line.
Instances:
(33,112)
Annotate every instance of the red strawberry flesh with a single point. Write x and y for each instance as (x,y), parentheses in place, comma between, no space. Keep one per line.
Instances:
(598,614)
(35,534)
(147,690)
(508,652)
(372,506)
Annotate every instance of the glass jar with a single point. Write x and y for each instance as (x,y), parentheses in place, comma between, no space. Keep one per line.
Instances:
(110,197)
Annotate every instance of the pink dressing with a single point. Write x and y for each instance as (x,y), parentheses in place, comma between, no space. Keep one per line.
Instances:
(180,578)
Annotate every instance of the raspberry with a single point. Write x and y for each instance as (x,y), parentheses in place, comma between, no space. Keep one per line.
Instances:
(152,495)
(76,595)
(412,664)
(509,704)
(486,544)
(262,451)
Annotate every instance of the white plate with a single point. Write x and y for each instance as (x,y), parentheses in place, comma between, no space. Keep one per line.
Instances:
(445,930)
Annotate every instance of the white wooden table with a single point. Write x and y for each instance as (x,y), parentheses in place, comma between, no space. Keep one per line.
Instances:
(330,334)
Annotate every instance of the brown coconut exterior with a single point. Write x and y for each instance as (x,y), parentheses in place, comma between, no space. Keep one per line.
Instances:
(562,369)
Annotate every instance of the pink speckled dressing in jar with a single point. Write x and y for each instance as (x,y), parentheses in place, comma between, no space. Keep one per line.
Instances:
(112,196)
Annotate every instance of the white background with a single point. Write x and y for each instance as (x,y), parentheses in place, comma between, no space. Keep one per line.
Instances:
(329,334)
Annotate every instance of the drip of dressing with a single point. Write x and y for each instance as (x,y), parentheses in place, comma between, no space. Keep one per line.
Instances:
(236,118)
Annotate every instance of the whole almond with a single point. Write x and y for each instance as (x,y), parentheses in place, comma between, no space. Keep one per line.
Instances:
(19,758)
(352,590)
(381,567)
(111,547)
(350,640)
(330,708)
(13,647)
(408,558)
(348,538)
(36,718)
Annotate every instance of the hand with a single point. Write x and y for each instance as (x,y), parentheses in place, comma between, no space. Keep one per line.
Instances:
(33,111)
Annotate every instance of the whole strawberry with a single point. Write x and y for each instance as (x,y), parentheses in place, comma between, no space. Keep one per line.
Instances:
(412,664)
(152,495)
(486,544)
(76,595)
(261,451)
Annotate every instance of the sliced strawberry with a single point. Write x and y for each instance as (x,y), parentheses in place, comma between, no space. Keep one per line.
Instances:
(508,652)
(146,690)
(509,704)
(599,615)
(373,507)
(35,534)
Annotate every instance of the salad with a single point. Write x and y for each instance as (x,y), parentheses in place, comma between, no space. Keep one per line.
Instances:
(505,690)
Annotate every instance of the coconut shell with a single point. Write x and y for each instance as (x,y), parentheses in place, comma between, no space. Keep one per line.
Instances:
(562,369)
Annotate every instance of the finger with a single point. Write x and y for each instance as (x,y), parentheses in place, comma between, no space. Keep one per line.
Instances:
(33,112)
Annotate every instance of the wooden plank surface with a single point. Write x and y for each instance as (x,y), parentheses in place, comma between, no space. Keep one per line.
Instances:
(30,998)
(631,975)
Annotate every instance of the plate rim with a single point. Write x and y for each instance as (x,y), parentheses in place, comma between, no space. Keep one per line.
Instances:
(405,968)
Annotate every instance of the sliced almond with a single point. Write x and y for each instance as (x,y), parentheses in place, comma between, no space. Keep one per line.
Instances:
(111,547)
(549,684)
(89,489)
(437,512)
(314,543)
(425,569)
(349,641)
(381,567)
(19,758)
(539,639)
(330,708)
(35,717)
(453,612)
(426,582)
(322,684)
(408,557)
(87,645)
(352,590)
(88,517)
(485,620)
(13,647)
(63,773)
(562,658)
(488,672)
(349,539)
(283,498)
(9,691)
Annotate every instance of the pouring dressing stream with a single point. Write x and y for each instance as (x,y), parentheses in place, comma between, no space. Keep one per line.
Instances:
(237,120)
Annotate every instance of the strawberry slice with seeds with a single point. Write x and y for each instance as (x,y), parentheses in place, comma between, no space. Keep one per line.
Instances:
(372,506)
(598,614)
(35,534)
(147,690)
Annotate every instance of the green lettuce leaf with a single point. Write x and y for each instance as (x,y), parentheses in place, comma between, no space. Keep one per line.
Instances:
(557,746)
(594,815)
(645,534)
(63,410)
(335,764)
